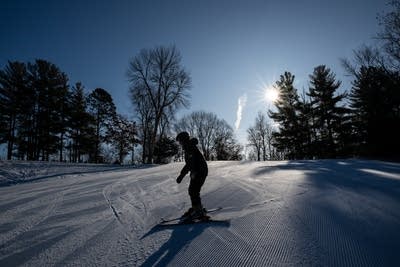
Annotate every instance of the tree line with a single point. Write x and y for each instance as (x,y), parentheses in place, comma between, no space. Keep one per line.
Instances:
(323,123)
(43,118)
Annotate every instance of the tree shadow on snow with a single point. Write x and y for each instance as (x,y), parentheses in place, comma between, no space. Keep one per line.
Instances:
(181,238)
(351,204)
(355,175)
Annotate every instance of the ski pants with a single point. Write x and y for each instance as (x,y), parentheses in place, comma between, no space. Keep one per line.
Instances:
(196,182)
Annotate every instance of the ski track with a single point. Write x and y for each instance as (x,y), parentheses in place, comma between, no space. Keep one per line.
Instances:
(302,213)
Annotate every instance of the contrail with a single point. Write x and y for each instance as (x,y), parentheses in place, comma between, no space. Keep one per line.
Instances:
(241,104)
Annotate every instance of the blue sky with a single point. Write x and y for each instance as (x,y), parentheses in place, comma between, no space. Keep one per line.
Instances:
(230,48)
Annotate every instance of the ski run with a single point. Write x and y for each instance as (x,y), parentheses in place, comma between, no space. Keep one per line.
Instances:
(286,213)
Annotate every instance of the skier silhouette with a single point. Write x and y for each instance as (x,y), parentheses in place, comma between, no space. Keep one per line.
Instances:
(197,166)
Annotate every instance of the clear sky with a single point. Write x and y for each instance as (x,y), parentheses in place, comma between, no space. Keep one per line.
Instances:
(232,49)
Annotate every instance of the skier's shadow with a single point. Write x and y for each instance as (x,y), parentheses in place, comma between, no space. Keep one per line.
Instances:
(181,237)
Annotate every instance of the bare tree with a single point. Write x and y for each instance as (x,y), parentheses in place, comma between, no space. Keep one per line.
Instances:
(203,125)
(145,114)
(254,140)
(390,34)
(261,126)
(157,77)
(260,138)
(215,135)
(365,56)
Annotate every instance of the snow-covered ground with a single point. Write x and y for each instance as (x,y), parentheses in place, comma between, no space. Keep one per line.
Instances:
(297,213)
(14,172)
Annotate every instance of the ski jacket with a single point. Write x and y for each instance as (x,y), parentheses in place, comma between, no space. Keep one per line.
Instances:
(195,162)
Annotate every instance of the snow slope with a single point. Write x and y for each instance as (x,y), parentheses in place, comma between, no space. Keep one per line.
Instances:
(297,213)
(14,172)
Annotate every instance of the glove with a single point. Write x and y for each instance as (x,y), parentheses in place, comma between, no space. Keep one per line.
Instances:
(179,179)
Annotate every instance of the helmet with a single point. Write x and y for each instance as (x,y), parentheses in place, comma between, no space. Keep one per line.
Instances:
(182,136)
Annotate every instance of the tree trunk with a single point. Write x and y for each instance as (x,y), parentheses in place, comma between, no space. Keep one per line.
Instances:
(11,137)
(96,152)
(153,139)
(133,154)
(61,147)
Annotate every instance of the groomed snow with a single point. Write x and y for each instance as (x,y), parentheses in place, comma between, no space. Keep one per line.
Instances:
(291,213)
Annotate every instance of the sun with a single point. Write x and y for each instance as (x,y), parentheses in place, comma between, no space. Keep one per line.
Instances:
(271,94)
(267,92)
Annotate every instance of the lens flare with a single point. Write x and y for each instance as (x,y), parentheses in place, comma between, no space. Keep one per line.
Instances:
(271,94)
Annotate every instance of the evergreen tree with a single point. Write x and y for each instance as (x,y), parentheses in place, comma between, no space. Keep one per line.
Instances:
(81,124)
(121,134)
(41,129)
(60,114)
(38,113)
(375,100)
(346,138)
(306,122)
(165,149)
(13,86)
(374,91)
(286,139)
(326,112)
(102,108)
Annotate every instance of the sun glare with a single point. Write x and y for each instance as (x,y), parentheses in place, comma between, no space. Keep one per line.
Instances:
(271,94)
(267,92)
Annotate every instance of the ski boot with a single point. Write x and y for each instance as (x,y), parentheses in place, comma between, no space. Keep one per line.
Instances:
(187,213)
(198,213)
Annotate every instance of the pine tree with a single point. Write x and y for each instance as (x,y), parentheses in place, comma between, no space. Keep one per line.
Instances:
(306,122)
(50,87)
(375,100)
(27,120)
(121,134)
(165,149)
(103,110)
(327,113)
(13,87)
(80,123)
(60,113)
(287,139)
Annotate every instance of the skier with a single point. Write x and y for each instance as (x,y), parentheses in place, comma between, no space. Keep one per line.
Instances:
(197,166)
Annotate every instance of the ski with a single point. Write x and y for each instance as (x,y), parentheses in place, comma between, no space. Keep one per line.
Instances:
(179,218)
(196,221)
